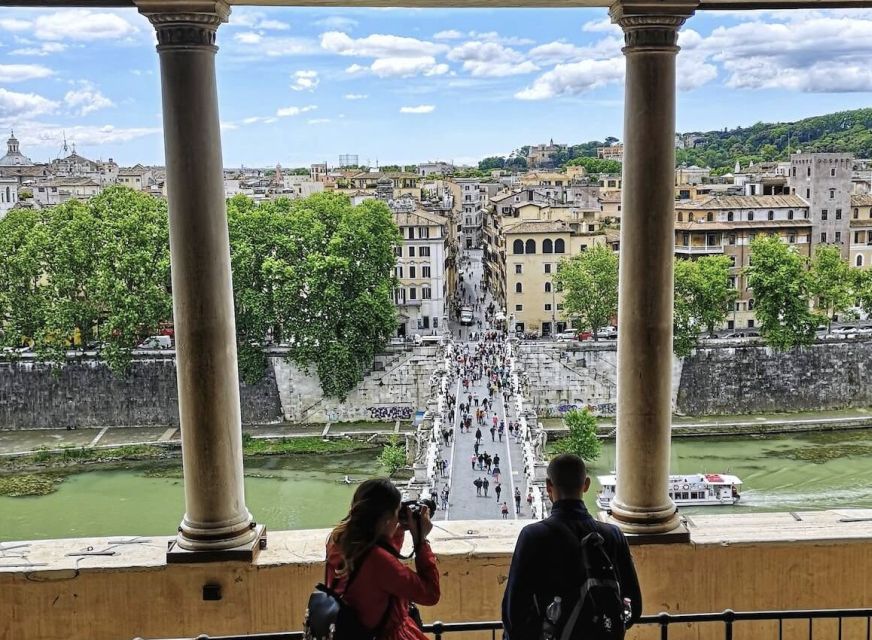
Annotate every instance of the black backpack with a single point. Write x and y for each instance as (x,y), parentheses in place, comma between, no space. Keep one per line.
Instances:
(329,617)
(598,611)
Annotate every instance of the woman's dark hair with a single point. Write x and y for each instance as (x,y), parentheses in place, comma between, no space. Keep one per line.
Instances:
(360,529)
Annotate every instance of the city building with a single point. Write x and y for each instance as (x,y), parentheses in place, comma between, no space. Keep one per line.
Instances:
(544,155)
(420,270)
(137,177)
(726,225)
(691,175)
(613,152)
(14,157)
(823,180)
(8,194)
(59,190)
(439,168)
(861,231)
(470,199)
(318,171)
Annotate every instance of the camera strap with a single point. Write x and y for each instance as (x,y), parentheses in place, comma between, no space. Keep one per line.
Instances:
(392,550)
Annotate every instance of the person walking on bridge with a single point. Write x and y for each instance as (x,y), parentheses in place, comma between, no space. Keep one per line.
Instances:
(498,489)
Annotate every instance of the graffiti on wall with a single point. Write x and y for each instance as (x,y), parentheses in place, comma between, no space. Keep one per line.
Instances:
(390,412)
(600,409)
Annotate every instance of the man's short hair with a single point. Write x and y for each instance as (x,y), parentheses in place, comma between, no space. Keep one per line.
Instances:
(567,473)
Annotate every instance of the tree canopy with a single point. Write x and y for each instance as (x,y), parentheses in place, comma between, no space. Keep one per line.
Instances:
(596,165)
(589,282)
(703,297)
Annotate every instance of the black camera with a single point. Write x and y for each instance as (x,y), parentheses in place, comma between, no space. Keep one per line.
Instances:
(414,509)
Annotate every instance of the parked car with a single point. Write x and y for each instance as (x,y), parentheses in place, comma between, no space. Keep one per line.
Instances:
(156,342)
(608,332)
(585,335)
(567,335)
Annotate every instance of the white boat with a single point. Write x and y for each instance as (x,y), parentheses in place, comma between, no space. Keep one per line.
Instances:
(699,490)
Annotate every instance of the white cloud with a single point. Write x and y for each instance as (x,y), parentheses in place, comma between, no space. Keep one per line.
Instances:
(421,108)
(603,24)
(318,121)
(83,25)
(14,24)
(400,67)
(243,17)
(44,49)
(337,22)
(305,81)
(378,45)
(259,120)
(490,59)
(87,99)
(449,34)
(13,104)
(21,72)
(356,69)
(574,78)
(355,96)
(693,67)
(247,37)
(33,133)
(285,112)
(493,36)
(229,126)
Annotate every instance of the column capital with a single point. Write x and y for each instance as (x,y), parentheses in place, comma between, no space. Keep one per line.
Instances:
(185,23)
(651,25)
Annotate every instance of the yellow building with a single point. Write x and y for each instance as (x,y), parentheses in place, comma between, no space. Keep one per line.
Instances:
(861,230)
(726,226)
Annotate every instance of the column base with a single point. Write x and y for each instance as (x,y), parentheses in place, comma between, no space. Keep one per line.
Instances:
(658,533)
(248,552)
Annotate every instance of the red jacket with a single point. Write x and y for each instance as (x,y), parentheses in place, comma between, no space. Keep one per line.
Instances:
(383,580)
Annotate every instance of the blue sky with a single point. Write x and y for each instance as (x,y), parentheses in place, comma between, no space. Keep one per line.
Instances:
(401,86)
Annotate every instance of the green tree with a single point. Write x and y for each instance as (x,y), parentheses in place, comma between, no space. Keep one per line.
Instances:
(778,276)
(831,281)
(589,282)
(714,297)
(393,456)
(581,439)
(684,327)
(516,162)
(596,165)
(493,162)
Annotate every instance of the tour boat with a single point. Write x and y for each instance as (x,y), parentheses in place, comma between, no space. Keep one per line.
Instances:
(699,490)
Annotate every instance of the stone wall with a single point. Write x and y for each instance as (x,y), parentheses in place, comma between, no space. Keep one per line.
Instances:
(87,394)
(737,378)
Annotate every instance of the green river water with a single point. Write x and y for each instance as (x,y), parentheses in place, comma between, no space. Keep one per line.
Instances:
(781,473)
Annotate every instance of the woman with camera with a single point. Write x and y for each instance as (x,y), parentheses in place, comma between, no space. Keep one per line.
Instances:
(364,549)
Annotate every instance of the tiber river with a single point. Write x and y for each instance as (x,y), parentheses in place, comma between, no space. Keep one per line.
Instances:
(781,473)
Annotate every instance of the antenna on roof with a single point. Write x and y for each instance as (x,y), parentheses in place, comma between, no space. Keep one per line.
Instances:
(66,148)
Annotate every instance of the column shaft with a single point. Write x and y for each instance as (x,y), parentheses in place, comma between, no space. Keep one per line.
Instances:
(642,504)
(215,513)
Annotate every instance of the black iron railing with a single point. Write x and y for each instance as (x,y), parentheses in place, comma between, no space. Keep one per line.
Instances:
(728,619)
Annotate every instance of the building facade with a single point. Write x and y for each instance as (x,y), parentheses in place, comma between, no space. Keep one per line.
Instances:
(823,180)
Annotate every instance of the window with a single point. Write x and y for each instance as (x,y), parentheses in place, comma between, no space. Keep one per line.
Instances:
(547,287)
(750,324)
(750,216)
(709,217)
(680,217)
(519,288)
(559,245)
(411,251)
(770,215)
(413,293)
(425,272)
(423,232)
(548,306)
(547,267)
(690,217)
(856,237)
(805,214)
(823,237)
(832,193)
(838,214)
(832,173)
(729,216)
(518,246)
(519,307)
(732,282)
(838,236)
(807,194)
(547,246)
(791,238)
(530,247)
(560,306)
(794,172)
(519,268)
(731,239)
(398,252)
(824,214)
(732,261)
(856,213)
(411,271)
(859,260)
(424,251)
(399,272)
(751,304)
(790,215)
(808,170)
(426,293)
(435,322)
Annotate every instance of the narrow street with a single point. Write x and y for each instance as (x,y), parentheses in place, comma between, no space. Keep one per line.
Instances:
(464,503)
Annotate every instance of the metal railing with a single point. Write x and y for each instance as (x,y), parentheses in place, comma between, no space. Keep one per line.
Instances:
(727,618)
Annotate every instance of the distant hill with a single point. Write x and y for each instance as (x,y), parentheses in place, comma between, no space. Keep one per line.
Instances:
(845,131)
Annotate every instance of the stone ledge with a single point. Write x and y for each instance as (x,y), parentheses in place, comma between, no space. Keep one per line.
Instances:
(459,538)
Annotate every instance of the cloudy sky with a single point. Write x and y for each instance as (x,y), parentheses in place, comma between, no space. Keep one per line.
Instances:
(304,85)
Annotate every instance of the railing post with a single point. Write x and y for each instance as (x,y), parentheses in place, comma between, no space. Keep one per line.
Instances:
(437,630)
(729,615)
(664,625)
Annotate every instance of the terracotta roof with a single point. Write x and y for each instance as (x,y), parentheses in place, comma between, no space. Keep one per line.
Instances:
(406,218)
(537,226)
(744,202)
(610,196)
(67,182)
(741,225)
(861,200)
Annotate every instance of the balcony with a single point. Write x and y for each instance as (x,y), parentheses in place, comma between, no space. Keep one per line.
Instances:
(699,249)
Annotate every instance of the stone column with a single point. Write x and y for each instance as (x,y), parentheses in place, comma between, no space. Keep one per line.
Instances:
(216,517)
(642,504)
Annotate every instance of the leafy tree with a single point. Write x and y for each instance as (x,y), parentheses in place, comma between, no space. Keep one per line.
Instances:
(393,456)
(596,165)
(493,162)
(589,282)
(581,440)
(862,284)
(516,162)
(684,327)
(703,298)
(781,292)
(831,281)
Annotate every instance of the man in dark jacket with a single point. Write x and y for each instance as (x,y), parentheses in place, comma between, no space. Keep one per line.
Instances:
(544,564)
